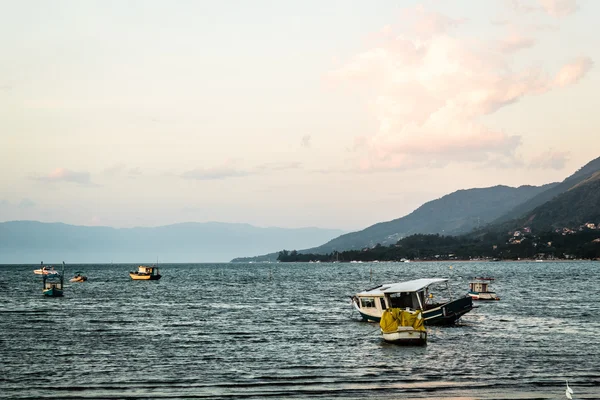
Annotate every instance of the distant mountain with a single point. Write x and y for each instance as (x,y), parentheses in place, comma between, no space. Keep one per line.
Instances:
(32,242)
(454,214)
(579,176)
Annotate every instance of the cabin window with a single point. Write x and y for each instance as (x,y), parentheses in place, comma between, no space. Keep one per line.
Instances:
(405,300)
(367,302)
(382,300)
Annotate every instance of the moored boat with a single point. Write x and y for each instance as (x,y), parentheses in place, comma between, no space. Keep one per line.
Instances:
(145,273)
(412,296)
(43,270)
(403,327)
(479,289)
(78,278)
(52,284)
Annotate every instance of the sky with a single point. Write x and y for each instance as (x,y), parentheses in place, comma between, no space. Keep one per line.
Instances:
(333,114)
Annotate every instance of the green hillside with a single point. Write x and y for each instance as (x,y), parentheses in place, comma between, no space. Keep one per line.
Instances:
(581,175)
(578,205)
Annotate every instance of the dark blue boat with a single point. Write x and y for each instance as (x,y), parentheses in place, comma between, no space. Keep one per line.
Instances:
(53,284)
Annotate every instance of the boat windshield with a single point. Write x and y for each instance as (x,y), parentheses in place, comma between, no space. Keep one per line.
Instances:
(407,300)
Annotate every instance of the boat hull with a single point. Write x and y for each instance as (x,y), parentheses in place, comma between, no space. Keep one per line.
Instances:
(144,277)
(406,336)
(483,296)
(52,292)
(445,314)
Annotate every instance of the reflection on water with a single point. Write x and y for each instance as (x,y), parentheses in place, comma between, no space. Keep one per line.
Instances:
(288,330)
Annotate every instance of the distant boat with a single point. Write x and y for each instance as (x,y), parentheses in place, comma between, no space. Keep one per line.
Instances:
(52,284)
(479,289)
(78,278)
(145,273)
(43,270)
(412,296)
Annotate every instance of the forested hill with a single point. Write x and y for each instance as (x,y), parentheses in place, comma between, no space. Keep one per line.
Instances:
(453,214)
(578,205)
(581,175)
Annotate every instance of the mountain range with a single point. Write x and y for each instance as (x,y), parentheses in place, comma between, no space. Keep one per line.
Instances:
(32,242)
(574,201)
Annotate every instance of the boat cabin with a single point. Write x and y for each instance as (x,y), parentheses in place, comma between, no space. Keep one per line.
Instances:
(142,269)
(412,295)
(479,286)
(56,284)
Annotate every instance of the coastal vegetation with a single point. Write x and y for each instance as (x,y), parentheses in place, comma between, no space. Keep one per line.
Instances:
(565,243)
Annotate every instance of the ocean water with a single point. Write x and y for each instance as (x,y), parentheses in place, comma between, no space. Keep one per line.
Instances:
(257,331)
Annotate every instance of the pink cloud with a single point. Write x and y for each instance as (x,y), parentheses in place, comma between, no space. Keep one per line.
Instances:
(559,8)
(430,96)
(66,175)
(573,72)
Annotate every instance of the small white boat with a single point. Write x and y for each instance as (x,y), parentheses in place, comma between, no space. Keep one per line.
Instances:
(479,289)
(403,327)
(43,270)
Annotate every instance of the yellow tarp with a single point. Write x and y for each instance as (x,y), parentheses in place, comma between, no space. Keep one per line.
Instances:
(392,318)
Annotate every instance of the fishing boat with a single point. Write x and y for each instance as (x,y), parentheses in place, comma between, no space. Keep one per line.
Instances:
(413,295)
(52,284)
(479,289)
(78,278)
(43,270)
(145,273)
(403,327)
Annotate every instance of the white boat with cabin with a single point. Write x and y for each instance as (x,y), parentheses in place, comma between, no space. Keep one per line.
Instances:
(412,296)
(479,289)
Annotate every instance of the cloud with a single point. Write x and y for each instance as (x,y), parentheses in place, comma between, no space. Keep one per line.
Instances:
(550,159)
(215,173)
(230,170)
(426,24)
(122,169)
(430,97)
(573,72)
(277,166)
(305,141)
(559,8)
(515,42)
(26,203)
(66,175)
(555,8)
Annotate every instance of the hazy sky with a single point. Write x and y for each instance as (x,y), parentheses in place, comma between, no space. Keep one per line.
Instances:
(335,114)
